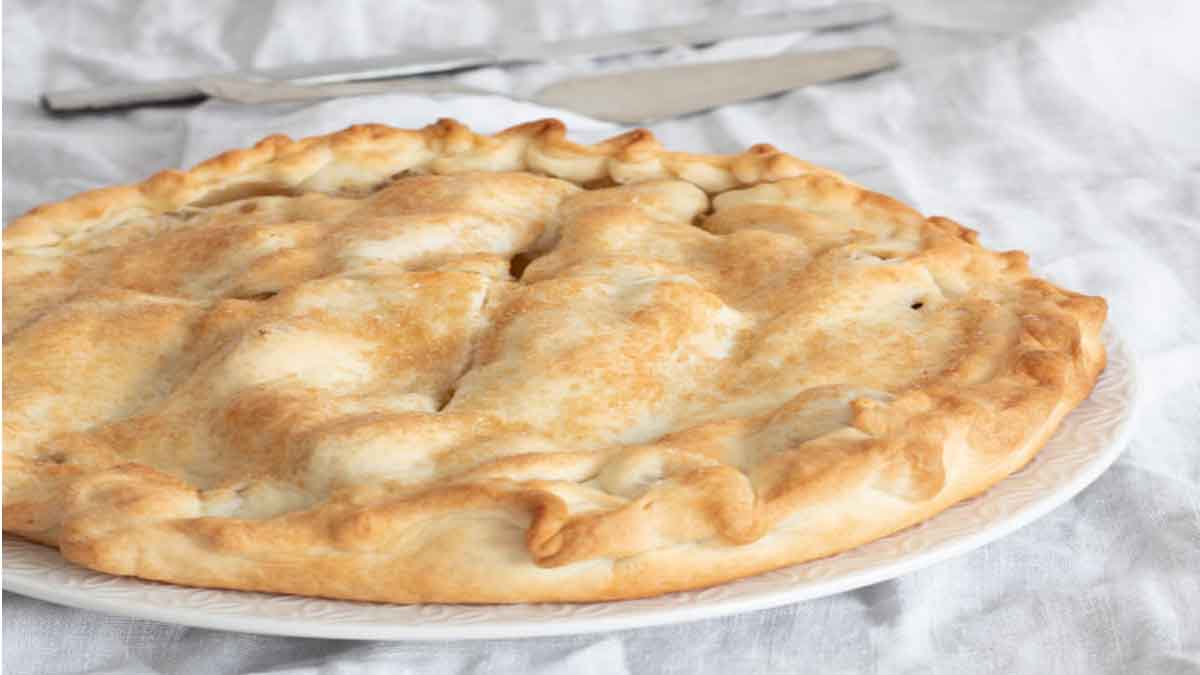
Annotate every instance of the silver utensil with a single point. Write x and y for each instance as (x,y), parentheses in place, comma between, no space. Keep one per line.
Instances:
(258,92)
(131,94)
(629,97)
(646,95)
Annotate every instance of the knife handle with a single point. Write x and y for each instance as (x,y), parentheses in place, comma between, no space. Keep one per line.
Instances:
(190,90)
(122,95)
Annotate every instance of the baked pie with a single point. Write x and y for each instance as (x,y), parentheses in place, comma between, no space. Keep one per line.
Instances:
(436,366)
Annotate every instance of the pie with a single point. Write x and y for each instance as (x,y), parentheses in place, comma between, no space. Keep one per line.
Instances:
(436,366)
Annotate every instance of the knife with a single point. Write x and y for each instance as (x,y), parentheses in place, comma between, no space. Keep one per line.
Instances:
(124,95)
(648,95)
(627,98)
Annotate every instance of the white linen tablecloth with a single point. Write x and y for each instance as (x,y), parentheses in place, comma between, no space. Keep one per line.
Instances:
(1070,130)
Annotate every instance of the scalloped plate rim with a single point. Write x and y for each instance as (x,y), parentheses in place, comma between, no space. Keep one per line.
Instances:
(625,614)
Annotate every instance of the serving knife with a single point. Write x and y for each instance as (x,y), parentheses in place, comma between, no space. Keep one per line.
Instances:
(133,94)
(648,95)
(628,98)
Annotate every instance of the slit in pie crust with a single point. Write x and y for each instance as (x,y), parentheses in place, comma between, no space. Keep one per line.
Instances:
(436,366)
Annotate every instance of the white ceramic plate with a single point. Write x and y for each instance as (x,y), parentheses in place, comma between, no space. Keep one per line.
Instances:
(1088,442)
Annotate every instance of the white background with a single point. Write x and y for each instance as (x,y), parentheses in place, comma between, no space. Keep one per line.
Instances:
(1067,129)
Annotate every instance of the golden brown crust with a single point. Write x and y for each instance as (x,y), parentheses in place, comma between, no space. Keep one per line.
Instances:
(367,155)
(430,365)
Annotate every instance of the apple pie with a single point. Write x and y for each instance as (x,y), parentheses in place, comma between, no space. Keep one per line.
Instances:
(438,366)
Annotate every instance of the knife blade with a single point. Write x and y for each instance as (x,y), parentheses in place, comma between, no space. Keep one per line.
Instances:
(130,94)
(647,95)
(628,98)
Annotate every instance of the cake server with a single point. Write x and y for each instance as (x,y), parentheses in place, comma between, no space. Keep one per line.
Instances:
(131,94)
(627,97)
(647,95)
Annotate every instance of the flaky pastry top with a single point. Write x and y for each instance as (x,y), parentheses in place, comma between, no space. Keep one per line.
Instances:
(434,365)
